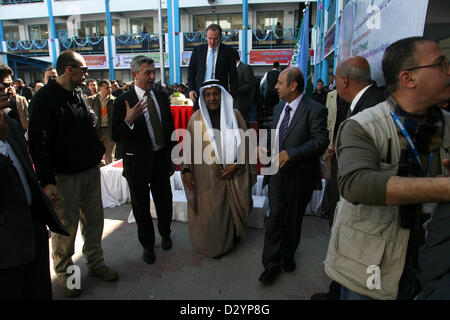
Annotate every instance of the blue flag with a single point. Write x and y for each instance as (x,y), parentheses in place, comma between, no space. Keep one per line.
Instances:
(300,55)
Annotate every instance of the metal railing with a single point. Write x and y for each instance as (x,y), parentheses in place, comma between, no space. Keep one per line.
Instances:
(192,39)
(84,45)
(130,43)
(5,2)
(274,38)
(29,48)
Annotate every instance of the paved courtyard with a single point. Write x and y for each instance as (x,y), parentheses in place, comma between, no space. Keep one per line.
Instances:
(184,274)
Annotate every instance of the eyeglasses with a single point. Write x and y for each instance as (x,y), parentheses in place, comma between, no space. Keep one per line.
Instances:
(83,69)
(443,65)
(7,85)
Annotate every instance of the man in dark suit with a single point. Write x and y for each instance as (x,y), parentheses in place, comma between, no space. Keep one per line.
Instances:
(143,125)
(246,88)
(303,137)
(24,213)
(355,92)
(270,94)
(103,103)
(214,60)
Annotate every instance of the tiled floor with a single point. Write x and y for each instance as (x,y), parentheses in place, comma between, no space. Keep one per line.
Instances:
(184,274)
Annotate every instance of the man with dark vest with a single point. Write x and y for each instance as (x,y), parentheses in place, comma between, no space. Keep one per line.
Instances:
(271,98)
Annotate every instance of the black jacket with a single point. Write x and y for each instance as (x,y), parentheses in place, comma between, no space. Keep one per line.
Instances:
(62,133)
(16,216)
(225,68)
(138,155)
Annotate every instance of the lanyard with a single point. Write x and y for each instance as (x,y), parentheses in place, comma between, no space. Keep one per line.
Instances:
(411,143)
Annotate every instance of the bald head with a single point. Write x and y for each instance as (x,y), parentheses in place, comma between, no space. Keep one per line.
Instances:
(356,68)
(352,75)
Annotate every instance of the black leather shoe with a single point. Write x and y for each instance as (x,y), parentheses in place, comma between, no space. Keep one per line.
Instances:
(269,275)
(166,243)
(149,256)
(289,265)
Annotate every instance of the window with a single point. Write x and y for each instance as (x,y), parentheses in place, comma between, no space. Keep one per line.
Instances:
(88,28)
(227,21)
(11,33)
(165,25)
(269,19)
(38,31)
(138,25)
(61,30)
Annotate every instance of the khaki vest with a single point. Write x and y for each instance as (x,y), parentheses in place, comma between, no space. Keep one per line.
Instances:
(364,235)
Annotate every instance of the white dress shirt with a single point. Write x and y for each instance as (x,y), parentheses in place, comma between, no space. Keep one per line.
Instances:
(216,51)
(141,96)
(357,97)
(7,150)
(264,79)
(294,104)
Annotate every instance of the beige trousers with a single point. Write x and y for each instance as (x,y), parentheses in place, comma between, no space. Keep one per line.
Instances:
(109,144)
(80,202)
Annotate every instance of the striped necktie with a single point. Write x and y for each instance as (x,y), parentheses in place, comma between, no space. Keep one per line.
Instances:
(154,120)
(284,124)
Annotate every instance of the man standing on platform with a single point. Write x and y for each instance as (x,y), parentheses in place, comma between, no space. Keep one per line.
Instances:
(103,103)
(66,153)
(303,137)
(143,125)
(214,60)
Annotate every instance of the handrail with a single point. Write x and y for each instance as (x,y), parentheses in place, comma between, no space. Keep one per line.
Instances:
(27,45)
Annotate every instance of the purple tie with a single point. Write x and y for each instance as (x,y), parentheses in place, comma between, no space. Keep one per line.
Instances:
(284,124)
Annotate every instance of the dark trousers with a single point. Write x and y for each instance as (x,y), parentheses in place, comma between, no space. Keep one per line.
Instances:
(162,198)
(333,195)
(284,226)
(30,281)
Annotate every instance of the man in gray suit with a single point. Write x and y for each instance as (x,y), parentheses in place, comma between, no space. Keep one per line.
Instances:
(246,88)
(303,137)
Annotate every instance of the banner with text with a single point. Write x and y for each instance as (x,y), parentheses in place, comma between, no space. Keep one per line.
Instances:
(96,62)
(377,24)
(268,57)
(123,61)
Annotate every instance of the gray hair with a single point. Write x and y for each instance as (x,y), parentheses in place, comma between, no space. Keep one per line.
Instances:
(138,61)
(360,75)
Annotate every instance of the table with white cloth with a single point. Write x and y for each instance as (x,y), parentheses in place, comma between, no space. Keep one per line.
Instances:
(115,192)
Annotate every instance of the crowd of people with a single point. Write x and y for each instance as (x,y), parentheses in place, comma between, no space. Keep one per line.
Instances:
(384,153)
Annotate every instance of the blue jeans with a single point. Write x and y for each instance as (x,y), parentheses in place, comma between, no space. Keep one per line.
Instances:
(346,294)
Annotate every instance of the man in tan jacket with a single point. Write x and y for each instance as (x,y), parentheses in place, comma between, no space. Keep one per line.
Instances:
(393,169)
(18,104)
(102,104)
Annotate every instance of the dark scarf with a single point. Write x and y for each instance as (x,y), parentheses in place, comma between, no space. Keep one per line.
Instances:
(427,137)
